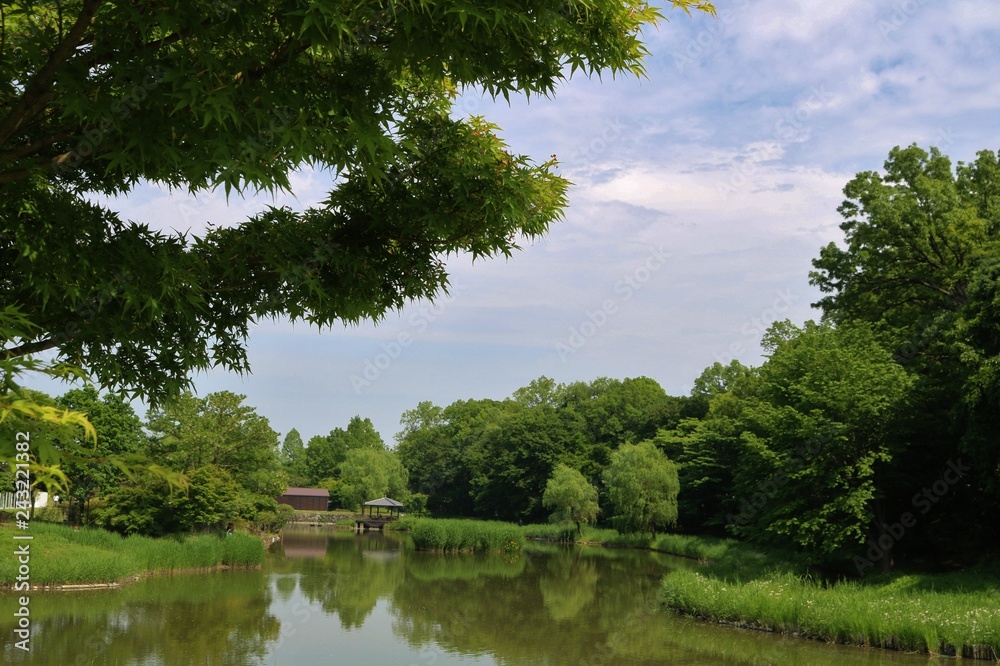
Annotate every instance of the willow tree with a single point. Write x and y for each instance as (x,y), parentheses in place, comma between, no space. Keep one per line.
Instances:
(642,487)
(99,97)
(572,496)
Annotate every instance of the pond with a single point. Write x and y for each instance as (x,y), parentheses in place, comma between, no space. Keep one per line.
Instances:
(332,597)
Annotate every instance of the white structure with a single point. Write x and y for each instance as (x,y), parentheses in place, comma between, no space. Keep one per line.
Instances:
(7,500)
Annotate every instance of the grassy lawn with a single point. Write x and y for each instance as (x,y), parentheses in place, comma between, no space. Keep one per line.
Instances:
(61,555)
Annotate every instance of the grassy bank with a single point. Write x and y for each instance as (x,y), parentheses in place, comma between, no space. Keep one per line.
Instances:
(952,614)
(685,545)
(61,555)
(456,534)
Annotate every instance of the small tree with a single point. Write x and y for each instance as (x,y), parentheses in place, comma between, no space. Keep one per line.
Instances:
(570,494)
(642,486)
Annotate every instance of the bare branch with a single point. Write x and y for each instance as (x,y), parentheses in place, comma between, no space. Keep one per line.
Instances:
(28,348)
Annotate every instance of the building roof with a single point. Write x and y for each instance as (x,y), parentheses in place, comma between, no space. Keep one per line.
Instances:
(307,492)
(385,501)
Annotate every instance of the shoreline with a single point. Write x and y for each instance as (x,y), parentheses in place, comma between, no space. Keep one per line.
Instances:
(6,588)
(737,586)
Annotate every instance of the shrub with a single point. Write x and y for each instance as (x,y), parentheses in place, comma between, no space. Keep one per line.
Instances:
(273,521)
(50,514)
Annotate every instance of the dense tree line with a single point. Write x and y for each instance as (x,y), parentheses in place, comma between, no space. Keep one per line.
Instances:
(493,458)
(868,437)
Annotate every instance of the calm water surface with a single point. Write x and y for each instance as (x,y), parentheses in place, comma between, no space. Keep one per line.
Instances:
(330,597)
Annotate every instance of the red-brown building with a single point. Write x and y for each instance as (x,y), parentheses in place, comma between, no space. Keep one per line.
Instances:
(306,499)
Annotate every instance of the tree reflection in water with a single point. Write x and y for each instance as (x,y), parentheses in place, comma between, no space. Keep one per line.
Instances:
(217,618)
(338,598)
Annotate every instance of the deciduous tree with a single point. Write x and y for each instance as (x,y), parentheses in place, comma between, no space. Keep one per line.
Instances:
(919,265)
(368,474)
(97,97)
(642,485)
(818,440)
(572,496)
(119,433)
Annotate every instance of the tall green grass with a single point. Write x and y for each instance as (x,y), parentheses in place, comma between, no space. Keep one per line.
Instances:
(551,531)
(685,545)
(62,555)
(941,614)
(456,534)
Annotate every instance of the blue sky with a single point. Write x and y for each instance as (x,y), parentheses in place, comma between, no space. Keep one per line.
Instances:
(701,194)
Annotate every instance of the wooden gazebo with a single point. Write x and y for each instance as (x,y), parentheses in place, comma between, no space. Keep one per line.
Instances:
(376,520)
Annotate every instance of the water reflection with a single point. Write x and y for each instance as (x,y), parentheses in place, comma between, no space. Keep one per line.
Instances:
(337,598)
(219,618)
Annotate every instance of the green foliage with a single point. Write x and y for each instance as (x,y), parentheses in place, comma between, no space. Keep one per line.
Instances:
(50,514)
(119,433)
(453,534)
(242,550)
(368,474)
(697,547)
(212,497)
(57,436)
(62,555)
(325,455)
(293,459)
(642,486)
(572,496)
(830,399)
(416,505)
(494,459)
(551,531)
(949,614)
(98,97)
(272,521)
(919,265)
(229,454)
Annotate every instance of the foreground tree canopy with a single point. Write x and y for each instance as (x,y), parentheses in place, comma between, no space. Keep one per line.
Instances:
(97,97)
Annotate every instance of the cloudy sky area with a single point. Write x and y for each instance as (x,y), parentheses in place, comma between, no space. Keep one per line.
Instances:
(701,195)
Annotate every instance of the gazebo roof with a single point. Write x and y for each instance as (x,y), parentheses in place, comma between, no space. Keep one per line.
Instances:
(384,501)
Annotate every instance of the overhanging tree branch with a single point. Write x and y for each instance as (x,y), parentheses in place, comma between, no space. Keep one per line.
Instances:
(37,93)
(29,348)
